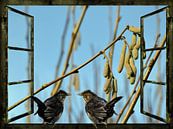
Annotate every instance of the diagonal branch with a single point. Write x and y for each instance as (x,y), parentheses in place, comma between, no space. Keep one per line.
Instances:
(74,34)
(63,42)
(111,52)
(75,70)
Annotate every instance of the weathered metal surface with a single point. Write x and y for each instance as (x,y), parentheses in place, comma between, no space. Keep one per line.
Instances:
(19,12)
(153,49)
(88,126)
(3,65)
(19,116)
(32,63)
(19,82)
(93,2)
(154,82)
(169,64)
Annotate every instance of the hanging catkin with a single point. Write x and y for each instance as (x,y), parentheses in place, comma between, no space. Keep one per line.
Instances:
(134,29)
(122,57)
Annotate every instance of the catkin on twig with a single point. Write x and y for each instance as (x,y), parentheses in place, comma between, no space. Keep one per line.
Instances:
(135,53)
(133,43)
(115,88)
(132,65)
(107,70)
(122,58)
(132,80)
(129,71)
(107,85)
(134,29)
(137,46)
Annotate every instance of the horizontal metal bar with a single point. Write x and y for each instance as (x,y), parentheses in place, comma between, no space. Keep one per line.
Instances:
(154,116)
(19,116)
(19,12)
(154,82)
(19,48)
(88,126)
(155,12)
(153,49)
(19,82)
(18,103)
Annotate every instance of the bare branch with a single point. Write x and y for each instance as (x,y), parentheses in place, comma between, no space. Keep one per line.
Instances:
(75,70)
(63,42)
(74,34)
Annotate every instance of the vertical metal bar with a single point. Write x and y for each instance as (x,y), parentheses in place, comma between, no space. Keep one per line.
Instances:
(141,63)
(32,62)
(169,63)
(3,64)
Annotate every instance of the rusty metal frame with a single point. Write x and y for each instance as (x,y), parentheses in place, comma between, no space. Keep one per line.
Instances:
(142,50)
(4,64)
(31,56)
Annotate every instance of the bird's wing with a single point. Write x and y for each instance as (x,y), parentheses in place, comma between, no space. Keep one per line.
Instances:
(54,109)
(95,109)
(41,106)
(111,104)
(50,101)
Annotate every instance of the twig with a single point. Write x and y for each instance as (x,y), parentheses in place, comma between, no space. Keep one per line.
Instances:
(135,86)
(62,43)
(71,77)
(110,22)
(74,34)
(111,52)
(75,70)
(147,73)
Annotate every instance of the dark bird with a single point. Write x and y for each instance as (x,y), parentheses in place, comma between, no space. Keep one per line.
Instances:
(97,108)
(52,108)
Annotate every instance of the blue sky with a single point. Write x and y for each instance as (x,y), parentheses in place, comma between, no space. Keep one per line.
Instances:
(49,23)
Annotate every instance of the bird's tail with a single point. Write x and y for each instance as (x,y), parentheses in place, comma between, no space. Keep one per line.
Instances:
(39,102)
(112,102)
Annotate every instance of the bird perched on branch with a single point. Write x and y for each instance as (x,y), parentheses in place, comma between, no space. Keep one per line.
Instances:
(97,108)
(52,108)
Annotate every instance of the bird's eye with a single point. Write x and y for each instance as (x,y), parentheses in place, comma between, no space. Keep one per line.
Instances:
(86,97)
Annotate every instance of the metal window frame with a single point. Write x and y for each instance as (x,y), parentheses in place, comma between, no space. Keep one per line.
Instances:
(30,51)
(142,50)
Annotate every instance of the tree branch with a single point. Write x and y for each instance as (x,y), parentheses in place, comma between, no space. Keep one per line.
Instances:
(75,70)
(74,34)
